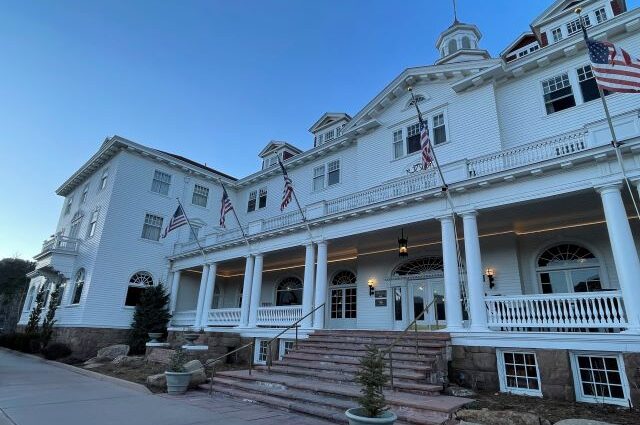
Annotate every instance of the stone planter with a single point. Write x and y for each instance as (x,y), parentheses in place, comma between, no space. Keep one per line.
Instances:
(355,418)
(155,336)
(177,382)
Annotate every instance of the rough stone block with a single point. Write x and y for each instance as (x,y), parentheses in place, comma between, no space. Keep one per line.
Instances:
(113,351)
(160,355)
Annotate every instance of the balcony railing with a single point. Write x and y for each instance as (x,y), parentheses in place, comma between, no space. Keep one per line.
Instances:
(282,220)
(279,316)
(184,318)
(60,243)
(602,310)
(223,317)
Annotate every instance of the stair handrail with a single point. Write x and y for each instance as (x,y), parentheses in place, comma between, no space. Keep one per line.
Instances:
(212,362)
(295,325)
(414,323)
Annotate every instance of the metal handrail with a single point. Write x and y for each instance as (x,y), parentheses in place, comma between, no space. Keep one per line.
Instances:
(293,325)
(213,362)
(414,323)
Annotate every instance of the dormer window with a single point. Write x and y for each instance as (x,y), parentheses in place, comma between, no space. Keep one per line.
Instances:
(601,15)
(270,162)
(556,34)
(574,26)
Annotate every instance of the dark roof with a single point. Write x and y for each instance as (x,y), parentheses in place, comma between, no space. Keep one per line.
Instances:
(197,164)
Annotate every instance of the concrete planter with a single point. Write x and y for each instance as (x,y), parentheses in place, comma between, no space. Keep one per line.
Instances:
(177,382)
(355,418)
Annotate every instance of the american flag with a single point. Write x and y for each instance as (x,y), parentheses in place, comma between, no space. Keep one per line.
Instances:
(225,207)
(614,68)
(287,193)
(425,142)
(178,219)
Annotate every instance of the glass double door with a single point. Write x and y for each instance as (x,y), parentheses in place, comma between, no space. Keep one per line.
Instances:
(411,299)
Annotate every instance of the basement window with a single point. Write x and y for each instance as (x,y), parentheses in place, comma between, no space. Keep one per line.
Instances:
(518,372)
(600,378)
(262,351)
(286,345)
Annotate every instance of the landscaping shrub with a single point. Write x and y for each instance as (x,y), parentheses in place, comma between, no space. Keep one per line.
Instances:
(56,350)
(151,315)
(27,343)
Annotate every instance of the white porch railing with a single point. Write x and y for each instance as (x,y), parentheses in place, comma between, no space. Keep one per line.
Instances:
(223,317)
(559,312)
(184,318)
(62,243)
(282,220)
(279,316)
(555,147)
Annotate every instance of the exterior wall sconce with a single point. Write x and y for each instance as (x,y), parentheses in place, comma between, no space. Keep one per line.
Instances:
(489,273)
(371,284)
(403,251)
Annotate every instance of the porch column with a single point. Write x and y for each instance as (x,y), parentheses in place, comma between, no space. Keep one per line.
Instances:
(246,292)
(478,311)
(625,255)
(256,291)
(201,291)
(208,294)
(308,288)
(174,290)
(452,299)
(321,285)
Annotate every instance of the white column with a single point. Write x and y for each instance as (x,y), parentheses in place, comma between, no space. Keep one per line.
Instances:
(308,288)
(625,255)
(175,284)
(453,305)
(246,292)
(201,291)
(256,291)
(208,294)
(478,311)
(321,285)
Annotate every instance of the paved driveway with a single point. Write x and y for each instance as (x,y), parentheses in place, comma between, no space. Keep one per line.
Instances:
(34,392)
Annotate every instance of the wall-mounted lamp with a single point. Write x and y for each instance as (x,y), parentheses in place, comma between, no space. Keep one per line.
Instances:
(403,251)
(371,284)
(489,273)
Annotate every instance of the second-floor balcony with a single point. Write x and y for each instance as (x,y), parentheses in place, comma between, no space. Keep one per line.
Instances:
(59,243)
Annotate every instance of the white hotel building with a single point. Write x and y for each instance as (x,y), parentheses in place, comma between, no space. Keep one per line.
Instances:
(539,200)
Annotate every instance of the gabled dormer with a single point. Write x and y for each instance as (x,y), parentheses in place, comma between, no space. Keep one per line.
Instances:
(274,149)
(525,44)
(459,43)
(328,127)
(559,21)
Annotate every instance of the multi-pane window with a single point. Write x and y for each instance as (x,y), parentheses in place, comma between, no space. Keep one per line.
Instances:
(257,201)
(556,34)
(601,15)
(318,178)
(333,172)
(519,373)
(194,232)
(286,346)
(200,195)
(161,182)
(567,268)
(343,295)
(338,131)
(413,138)
(262,198)
(588,85)
(152,227)
(558,94)
(326,175)
(103,179)
(574,26)
(439,129)
(92,224)
(251,204)
(599,379)
(75,226)
(85,192)
(263,351)
(398,144)
(78,284)
(67,209)
(138,283)
(329,135)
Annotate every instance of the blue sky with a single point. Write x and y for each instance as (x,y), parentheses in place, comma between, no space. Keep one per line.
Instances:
(210,80)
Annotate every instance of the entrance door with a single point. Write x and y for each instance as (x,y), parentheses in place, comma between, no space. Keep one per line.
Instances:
(343,301)
(427,293)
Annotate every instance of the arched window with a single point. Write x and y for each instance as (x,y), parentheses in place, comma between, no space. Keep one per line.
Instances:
(568,268)
(452,46)
(419,266)
(466,43)
(344,277)
(137,284)
(78,284)
(289,291)
(343,295)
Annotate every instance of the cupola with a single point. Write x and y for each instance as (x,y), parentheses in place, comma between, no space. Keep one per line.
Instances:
(459,43)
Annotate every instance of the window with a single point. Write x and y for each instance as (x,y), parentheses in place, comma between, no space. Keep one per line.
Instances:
(333,172)
(152,227)
(466,43)
(216,302)
(85,192)
(452,45)
(270,161)
(161,182)
(568,268)
(200,195)
(419,266)
(262,351)
(286,346)
(343,295)
(75,226)
(574,26)
(339,131)
(588,85)
(329,135)
(103,179)
(262,199)
(413,138)
(318,178)
(398,144)
(439,129)
(556,34)
(518,372)
(78,284)
(254,201)
(30,297)
(67,209)
(194,232)
(601,15)
(289,292)
(600,379)
(251,204)
(92,224)
(137,284)
(558,94)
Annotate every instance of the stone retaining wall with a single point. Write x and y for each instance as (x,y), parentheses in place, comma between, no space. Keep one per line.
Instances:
(85,342)
(219,343)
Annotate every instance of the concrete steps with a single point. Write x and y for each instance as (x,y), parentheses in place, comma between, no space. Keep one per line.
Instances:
(317,377)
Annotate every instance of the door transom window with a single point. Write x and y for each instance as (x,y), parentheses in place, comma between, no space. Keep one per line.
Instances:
(568,268)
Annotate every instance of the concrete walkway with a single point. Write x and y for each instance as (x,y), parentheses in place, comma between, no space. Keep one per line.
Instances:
(34,392)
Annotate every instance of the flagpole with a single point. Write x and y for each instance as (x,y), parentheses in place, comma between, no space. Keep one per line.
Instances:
(195,236)
(295,198)
(614,142)
(244,236)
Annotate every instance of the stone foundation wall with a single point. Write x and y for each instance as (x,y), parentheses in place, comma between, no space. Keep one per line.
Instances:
(477,368)
(219,343)
(85,342)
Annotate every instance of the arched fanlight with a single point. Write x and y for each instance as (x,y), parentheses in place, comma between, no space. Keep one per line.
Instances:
(403,251)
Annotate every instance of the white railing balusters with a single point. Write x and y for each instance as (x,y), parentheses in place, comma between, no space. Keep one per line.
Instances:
(279,316)
(223,317)
(183,318)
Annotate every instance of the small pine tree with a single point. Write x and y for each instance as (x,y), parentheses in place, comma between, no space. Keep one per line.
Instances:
(151,315)
(372,378)
(49,318)
(34,317)
(177,361)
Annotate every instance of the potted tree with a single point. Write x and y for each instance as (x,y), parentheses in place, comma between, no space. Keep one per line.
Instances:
(177,377)
(373,405)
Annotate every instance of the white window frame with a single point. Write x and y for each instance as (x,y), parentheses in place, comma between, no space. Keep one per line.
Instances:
(85,193)
(432,130)
(398,142)
(324,168)
(161,182)
(502,374)
(601,15)
(67,208)
(145,224)
(199,192)
(194,228)
(262,192)
(329,171)
(103,179)
(74,230)
(556,34)
(258,354)
(78,283)
(318,176)
(282,344)
(571,78)
(93,223)
(577,379)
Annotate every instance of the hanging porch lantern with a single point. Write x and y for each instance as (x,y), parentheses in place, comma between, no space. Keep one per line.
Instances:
(403,251)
